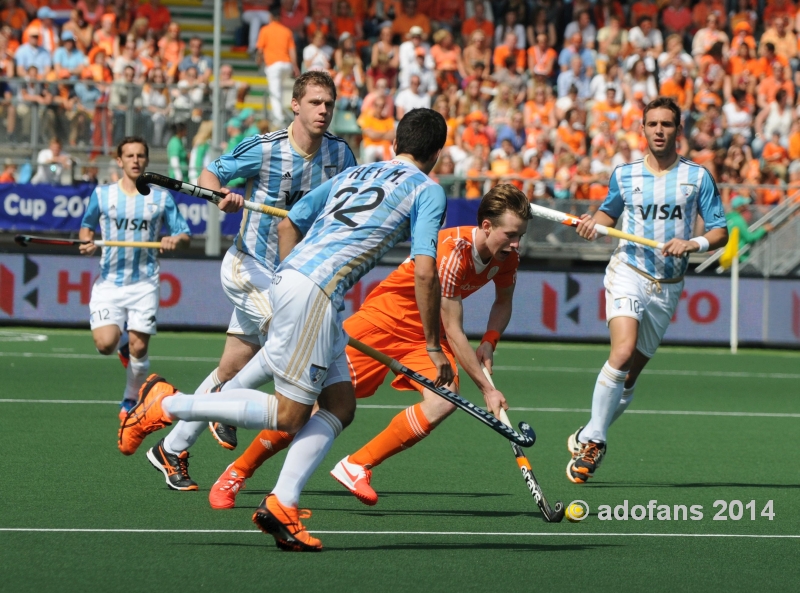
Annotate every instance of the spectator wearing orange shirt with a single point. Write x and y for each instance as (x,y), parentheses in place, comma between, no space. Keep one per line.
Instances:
(776,8)
(106,36)
(474,134)
(779,35)
(542,58)
(680,88)
(509,49)
(158,16)
(447,59)
(346,22)
(172,49)
(478,22)
(644,8)
(14,16)
(378,133)
(570,135)
(770,85)
(279,55)
(608,111)
(48,34)
(742,34)
(770,197)
(704,8)
(775,156)
(409,17)
(769,58)
(448,13)
(794,141)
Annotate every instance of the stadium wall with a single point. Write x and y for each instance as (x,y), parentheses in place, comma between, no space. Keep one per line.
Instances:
(55,290)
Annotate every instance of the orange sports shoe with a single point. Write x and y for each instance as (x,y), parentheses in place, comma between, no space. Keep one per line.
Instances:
(356,479)
(283,523)
(146,416)
(223,492)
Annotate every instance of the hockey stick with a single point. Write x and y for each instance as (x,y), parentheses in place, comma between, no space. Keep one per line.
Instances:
(26,240)
(572,220)
(146,179)
(551,514)
(526,439)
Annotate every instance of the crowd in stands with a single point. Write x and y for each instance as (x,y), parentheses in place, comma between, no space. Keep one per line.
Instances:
(546,93)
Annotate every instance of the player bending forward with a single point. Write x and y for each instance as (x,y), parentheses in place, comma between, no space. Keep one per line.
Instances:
(658,197)
(332,237)
(281,167)
(467,259)
(127,290)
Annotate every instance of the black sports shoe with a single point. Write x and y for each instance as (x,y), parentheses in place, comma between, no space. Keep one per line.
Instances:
(224,434)
(174,467)
(583,465)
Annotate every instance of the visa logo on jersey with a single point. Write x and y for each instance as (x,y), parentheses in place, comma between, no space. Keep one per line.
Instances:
(663,212)
(131,224)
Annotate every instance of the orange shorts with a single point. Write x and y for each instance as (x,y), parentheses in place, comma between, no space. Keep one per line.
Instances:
(368,374)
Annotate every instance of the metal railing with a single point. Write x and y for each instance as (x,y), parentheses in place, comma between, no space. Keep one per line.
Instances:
(90,117)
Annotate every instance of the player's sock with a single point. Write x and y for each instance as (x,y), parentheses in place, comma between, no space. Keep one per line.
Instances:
(607,392)
(137,371)
(405,430)
(255,373)
(185,434)
(624,402)
(246,408)
(310,446)
(209,382)
(264,446)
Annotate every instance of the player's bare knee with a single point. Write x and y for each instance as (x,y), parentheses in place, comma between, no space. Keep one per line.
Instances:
(104,348)
(339,399)
(436,408)
(292,415)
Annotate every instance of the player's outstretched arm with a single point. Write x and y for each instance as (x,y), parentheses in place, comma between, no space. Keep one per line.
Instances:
(288,237)
(453,321)
(427,291)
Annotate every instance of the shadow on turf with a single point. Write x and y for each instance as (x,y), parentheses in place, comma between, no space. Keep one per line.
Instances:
(512,547)
(389,494)
(690,485)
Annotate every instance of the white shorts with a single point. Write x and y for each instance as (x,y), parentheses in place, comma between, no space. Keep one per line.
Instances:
(246,283)
(306,343)
(135,303)
(629,294)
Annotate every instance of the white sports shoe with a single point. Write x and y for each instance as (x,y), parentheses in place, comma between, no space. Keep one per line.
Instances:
(356,479)
(573,444)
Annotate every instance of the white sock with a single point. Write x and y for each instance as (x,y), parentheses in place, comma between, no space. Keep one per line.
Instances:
(624,402)
(607,393)
(137,373)
(246,408)
(255,373)
(185,434)
(308,449)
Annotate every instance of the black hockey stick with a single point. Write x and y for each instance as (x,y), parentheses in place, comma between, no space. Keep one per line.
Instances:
(146,179)
(551,514)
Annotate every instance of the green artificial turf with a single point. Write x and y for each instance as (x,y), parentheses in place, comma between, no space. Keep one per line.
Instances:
(61,470)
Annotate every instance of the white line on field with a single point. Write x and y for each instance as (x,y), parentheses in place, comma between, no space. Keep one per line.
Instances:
(525,369)
(402,407)
(433,533)
(594,371)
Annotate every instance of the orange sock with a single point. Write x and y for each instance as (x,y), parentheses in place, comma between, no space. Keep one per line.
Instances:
(264,446)
(405,430)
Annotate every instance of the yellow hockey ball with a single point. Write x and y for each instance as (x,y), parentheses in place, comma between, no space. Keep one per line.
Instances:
(575,512)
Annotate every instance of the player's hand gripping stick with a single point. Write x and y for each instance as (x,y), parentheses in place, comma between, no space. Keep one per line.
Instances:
(571,220)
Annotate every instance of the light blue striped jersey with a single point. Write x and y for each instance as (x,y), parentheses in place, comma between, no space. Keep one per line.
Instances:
(661,206)
(124,217)
(279,173)
(353,219)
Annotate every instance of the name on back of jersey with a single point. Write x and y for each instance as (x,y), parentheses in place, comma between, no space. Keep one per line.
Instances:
(366,172)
